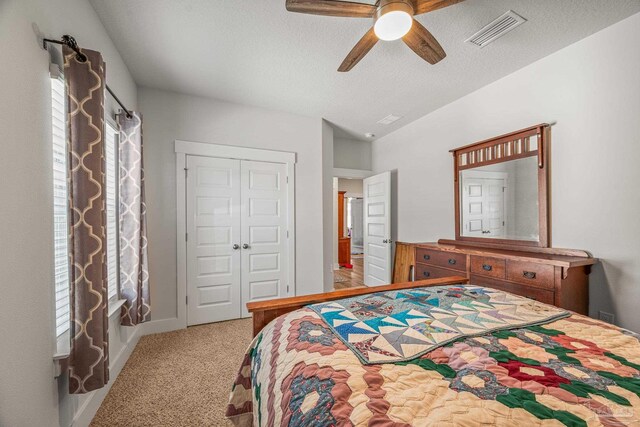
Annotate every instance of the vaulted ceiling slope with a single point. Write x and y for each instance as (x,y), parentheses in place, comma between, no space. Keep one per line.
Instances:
(254,52)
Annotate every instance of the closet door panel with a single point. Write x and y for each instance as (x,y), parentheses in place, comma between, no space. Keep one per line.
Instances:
(264,231)
(213,227)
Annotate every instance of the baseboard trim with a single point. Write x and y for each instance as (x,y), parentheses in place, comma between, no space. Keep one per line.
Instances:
(162,325)
(88,410)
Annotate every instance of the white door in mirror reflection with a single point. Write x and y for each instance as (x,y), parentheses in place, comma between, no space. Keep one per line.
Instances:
(483,205)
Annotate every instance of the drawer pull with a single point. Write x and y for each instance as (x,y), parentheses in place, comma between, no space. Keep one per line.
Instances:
(529,274)
(487,267)
(426,274)
(427,257)
(452,261)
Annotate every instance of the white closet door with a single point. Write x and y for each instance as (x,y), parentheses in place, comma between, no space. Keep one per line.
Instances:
(264,232)
(377,231)
(213,227)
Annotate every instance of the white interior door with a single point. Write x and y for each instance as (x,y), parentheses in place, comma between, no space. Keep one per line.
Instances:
(264,232)
(483,206)
(377,229)
(213,228)
(495,212)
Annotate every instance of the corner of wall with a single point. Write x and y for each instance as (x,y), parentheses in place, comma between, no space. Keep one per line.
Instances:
(327,206)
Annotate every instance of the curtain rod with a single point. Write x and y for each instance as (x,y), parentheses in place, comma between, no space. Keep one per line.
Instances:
(70,42)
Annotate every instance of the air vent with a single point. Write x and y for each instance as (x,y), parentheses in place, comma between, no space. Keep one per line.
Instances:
(389,119)
(496,29)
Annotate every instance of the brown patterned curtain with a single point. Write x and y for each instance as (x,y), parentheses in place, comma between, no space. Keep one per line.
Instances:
(134,262)
(89,358)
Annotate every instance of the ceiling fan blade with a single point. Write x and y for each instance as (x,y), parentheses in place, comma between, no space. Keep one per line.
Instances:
(424,6)
(332,8)
(358,52)
(420,40)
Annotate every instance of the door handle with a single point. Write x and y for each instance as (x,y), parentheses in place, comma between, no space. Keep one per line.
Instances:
(236,246)
(245,246)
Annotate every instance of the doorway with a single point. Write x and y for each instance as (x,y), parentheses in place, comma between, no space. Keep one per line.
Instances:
(349,265)
(362,231)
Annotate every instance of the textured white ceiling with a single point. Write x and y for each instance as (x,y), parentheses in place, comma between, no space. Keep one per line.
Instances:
(255,52)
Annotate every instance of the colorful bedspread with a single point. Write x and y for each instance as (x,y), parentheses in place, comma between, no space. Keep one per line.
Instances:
(396,326)
(575,371)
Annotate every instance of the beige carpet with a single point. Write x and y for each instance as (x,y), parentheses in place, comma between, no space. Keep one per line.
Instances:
(180,378)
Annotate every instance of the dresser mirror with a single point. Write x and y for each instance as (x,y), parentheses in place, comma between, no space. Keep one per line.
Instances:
(501,187)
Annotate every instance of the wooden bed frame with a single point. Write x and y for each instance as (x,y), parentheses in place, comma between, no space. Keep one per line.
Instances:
(265,311)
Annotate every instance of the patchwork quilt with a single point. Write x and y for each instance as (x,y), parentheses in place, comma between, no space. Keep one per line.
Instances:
(397,326)
(573,371)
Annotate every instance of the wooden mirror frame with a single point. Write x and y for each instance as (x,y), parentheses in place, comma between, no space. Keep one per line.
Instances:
(511,146)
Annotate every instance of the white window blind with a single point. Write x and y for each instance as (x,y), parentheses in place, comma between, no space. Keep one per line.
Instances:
(111,138)
(60,203)
(60,208)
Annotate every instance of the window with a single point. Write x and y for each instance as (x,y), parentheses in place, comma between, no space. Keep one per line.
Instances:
(112,211)
(60,204)
(60,208)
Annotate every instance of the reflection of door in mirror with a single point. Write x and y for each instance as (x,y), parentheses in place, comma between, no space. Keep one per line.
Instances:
(483,203)
(500,200)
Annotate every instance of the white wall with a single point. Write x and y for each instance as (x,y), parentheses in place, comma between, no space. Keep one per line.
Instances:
(28,390)
(353,187)
(351,154)
(592,90)
(334,231)
(328,219)
(169,116)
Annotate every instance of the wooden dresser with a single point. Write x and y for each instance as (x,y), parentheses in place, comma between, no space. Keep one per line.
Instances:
(554,276)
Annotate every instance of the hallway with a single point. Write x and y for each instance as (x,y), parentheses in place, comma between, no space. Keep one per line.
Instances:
(350,278)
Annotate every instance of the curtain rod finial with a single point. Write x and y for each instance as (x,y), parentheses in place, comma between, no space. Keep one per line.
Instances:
(73,45)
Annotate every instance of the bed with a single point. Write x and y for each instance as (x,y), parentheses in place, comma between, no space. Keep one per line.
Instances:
(547,367)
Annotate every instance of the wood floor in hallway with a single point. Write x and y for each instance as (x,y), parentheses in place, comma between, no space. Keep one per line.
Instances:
(350,278)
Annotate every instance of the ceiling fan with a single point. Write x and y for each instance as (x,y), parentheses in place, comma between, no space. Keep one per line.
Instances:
(393,19)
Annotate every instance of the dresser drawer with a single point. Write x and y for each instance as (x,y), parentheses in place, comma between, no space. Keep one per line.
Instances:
(445,259)
(532,274)
(488,266)
(536,294)
(424,271)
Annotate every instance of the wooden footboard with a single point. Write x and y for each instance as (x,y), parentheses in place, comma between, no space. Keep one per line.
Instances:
(265,311)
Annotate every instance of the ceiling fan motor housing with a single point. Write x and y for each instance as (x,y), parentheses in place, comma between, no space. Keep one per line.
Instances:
(387,6)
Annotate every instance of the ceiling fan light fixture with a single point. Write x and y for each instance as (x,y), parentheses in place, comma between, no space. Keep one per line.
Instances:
(394,19)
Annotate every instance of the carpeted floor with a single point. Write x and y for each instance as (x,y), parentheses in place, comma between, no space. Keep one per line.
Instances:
(180,378)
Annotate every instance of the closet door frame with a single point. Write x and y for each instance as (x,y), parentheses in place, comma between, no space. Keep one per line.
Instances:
(189,148)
